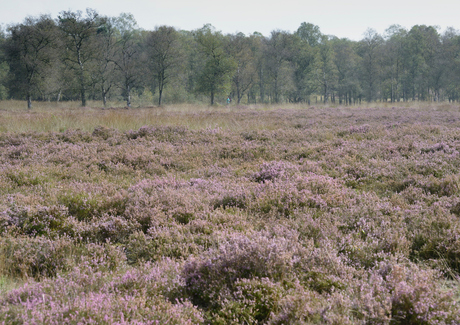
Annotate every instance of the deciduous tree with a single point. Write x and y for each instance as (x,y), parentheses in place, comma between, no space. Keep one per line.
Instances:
(165,56)
(79,36)
(369,49)
(216,75)
(29,54)
(3,66)
(393,62)
(451,53)
(239,48)
(346,62)
(325,68)
(104,66)
(305,47)
(128,55)
(277,54)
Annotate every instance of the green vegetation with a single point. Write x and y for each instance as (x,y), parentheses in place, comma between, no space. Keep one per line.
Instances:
(88,57)
(229,215)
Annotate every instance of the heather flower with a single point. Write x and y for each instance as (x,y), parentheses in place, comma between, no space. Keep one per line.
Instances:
(305,216)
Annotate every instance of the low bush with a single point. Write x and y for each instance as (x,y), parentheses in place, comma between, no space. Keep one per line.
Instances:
(256,216)
(39,257)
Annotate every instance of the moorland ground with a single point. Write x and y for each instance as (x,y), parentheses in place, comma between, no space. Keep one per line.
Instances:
(230,215)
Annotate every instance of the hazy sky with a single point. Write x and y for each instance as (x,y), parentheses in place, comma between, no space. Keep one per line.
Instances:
(335,17)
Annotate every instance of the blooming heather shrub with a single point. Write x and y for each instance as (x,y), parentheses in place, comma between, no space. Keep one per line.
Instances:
(159,201)
(285,197)
(435,237)
(160,278)
(20,177)
(104,308)
(372,302)
(361,129)
(40,257)
(35,220)
(138,248)
(160,242)
(372,230)
(447,186)
(228,194)
(244,152)
(416,298)
(274,170)
(238,257)
(231,201)
(302,307)
(34,257)
(106,228)
(138,157)
(257,136)
(85,201)
(392,293)
(253,301)
(280,199)
(103,257)
(87,295)
(307,307)
(289,216)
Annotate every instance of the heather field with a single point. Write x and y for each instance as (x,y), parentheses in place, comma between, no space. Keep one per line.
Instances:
(230,215)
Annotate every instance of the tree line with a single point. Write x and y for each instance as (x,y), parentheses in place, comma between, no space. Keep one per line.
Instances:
(87,56)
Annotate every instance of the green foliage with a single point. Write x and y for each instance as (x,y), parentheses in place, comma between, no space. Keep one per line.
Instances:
(29,53)
(310,34)
(166,56)
(215,76)
(369,50)
(254,302)
(78,33)
(84,206)
(86,56)
(3,79)
(172,242)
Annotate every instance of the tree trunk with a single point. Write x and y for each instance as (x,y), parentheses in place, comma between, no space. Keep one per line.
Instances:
(82,91)
(82,80)
(161,83)
(261,86)
(326,95)
(392,93)
(238,94)
(276,90)
(29,101)
(104,97)
(128,97)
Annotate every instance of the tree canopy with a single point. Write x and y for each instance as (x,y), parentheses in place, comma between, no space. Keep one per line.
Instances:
(87,56)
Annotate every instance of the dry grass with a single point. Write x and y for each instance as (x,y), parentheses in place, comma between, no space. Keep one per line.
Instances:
(59,117)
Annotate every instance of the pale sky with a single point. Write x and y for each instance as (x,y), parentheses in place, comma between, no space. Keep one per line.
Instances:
(341,18)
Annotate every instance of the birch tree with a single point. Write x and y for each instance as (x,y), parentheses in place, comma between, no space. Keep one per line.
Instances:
(164,55)
(79,35)
(128,57)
